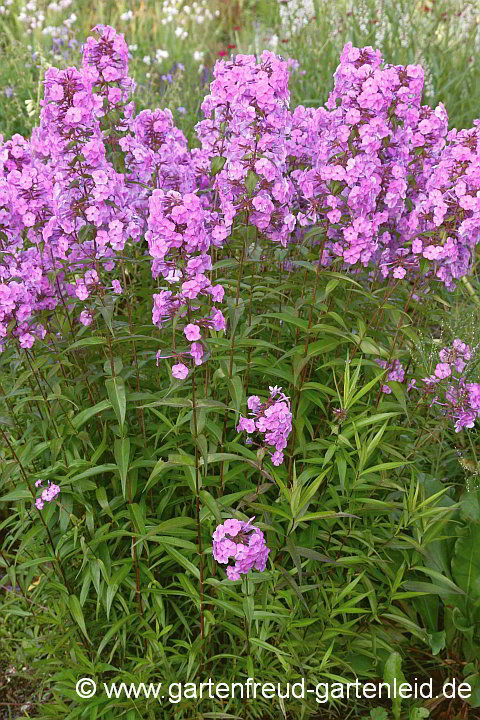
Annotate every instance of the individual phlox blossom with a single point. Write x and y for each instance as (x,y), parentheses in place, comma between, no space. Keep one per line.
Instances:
(246,424)
(48,494)
(117,288)
(197,352)
(165,305)
(218,320)
(443,370)
(254,403)
(86,318)
(180,371)
(242,542)
(192,332)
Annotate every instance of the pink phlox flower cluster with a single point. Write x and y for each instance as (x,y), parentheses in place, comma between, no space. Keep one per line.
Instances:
(59,191)
(178,238)
(378,172)
(396,373)
(242,542)
(383,176)
(247,124)
(273,419)
(48,494)
(459,398)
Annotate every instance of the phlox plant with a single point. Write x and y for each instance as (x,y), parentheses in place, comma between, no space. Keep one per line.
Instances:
(149,293)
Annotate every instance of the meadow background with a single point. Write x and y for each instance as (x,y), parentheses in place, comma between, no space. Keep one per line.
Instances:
(373,518)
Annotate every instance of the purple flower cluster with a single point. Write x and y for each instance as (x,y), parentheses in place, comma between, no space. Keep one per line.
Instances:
(382,176)
(64,209)
(273,419)
(396,372)
(460,399)
(244,543)
(48,494)
(180,229)
(378,172)
(246,128)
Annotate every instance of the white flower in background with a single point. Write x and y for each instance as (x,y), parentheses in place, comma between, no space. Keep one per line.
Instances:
(147,60)
(294,14)
(198,55)
(273,42)
(187,9)
(70,20)
(180,33)
(161,55)
(126,15)
(133,47)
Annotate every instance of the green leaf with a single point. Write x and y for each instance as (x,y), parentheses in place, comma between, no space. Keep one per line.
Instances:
(368,347)
(137,517)
(266,646)
(217,164)
(466,564)
(112,631)
(210,502)
(85,342)
(235,387)
(182,560)
(85,415)
(419,713)
(437,641)
(117,366)
(170,402)
(324,515)
(399,392)
(114,583)
(77,614)
(97,470)
(18,494)
(122,458)
(116,394)
(378,714)
(251,182)
(393,672)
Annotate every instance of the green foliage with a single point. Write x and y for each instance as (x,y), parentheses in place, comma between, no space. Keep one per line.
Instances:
(125,567)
